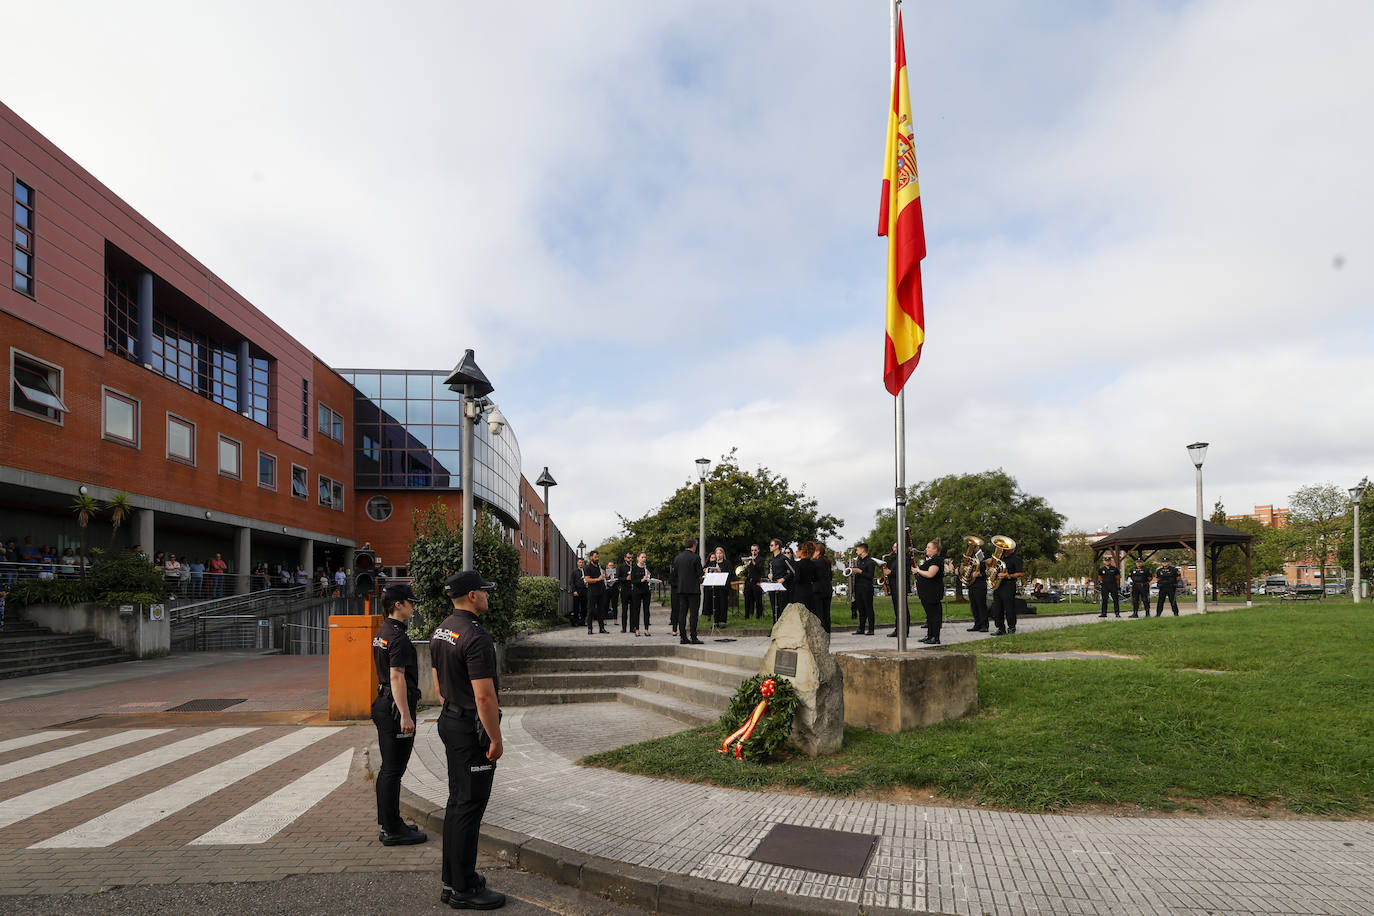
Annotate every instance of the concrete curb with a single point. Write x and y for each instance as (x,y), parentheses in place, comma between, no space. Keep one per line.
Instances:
(632,885)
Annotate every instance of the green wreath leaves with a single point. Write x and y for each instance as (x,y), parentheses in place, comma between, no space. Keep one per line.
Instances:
(776,723)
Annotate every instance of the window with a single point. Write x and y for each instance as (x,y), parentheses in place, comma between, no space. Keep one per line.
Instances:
(300,482)
(379,508)
(267,471)
(36,389)
(305,408)
(181,440)
(331,493)
(119,417)
(23,238)
(331,423)
(229,463)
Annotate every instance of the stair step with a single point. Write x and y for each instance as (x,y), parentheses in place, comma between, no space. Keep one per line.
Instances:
(555,697)
(598,665)
(680,688)
(595,649)
(12,659)
(707,672)
(115,656)
(564,680)
(687,713)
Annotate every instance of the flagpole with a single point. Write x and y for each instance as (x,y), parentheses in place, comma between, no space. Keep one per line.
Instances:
(899,600)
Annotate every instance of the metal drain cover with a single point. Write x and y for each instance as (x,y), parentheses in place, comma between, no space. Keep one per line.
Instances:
(214,705)
(834,852)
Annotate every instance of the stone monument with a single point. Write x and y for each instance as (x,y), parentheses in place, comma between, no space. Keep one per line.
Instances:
(800,652)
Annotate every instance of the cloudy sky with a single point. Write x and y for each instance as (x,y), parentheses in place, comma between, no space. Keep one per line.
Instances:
(1148,223)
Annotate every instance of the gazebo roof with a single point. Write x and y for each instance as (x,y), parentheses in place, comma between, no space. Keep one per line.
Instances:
(1169,528)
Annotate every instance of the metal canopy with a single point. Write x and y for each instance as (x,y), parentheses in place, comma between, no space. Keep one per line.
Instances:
(1167,529)
(546,479)
(467,373)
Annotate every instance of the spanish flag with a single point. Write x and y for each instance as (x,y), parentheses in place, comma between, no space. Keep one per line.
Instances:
(899,218)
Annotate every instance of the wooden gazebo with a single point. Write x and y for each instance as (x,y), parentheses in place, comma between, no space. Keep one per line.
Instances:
(1167,529)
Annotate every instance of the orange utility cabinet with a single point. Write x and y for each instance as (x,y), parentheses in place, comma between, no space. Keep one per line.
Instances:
(352,675)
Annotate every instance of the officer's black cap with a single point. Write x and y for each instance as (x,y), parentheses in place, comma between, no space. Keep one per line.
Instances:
(400,591)
(469,580)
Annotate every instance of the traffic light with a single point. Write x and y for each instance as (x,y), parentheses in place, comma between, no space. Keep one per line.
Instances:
(364,571)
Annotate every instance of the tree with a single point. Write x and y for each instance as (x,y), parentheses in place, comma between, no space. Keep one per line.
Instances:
(1267,551)
(120,508)
(980,504)
(437,553)
(1074,559)
(85,508)
(742,508)
(1316,521)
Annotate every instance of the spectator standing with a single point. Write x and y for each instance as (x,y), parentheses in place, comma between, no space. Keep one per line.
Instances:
(323,583)
(4,592)
(29,553)
(217,570)
(197,571)
(69,564)
(172,570)
(302,576)
(47,563)
(340,582)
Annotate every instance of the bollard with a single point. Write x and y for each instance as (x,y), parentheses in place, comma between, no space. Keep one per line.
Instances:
(352,675)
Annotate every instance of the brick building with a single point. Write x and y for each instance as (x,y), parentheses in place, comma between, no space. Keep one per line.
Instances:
(132,368)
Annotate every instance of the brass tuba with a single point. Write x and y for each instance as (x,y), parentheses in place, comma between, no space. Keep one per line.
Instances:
(996,568)
(968,566)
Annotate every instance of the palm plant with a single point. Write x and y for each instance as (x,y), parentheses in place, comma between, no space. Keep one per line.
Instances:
(85,507)
(120,508)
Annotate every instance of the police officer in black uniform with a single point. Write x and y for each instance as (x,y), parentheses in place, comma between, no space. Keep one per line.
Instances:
(595,578)
(863,570)
(1109,580)
(393,711)
(1140,589)
(1167,577)
(753,575)
(464,659)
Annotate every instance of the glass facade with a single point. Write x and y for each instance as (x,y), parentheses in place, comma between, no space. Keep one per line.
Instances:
(408,435)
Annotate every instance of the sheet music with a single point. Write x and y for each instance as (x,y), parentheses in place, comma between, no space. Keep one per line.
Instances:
(715,578)
(771,586)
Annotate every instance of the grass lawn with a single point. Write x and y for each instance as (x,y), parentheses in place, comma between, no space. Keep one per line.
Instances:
(1269,705)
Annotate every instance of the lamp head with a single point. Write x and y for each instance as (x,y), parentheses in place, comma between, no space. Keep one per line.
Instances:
(1197,451)
(546,479)
(1357,491)
(702,465)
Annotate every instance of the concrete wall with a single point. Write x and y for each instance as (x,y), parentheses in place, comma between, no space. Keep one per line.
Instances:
(889,692)
(428,695)
(136,632)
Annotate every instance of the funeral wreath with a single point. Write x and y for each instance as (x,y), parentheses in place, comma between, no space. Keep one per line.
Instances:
(759,718)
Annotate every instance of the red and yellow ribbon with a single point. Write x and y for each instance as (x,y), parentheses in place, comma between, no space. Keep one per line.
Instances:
(746,731)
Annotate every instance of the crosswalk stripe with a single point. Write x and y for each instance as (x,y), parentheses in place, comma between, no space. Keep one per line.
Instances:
(266,819)
(130,818)
(13,744)
(76,752)
(59,793)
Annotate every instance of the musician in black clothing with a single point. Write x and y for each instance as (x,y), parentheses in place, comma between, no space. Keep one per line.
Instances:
(639,594)
(862,570)
(824,562)
(1167,577)
(685,579)
(578,586)
(978,595)
(622,577)
(1004,594)
(779,571)
(611,601)
(595,578)
(716,598)
(804,578)
(1109,580)
(1140,589)
(930,589)
(753,575)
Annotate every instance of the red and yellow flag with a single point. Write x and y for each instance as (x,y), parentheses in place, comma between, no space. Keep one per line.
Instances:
(899,218)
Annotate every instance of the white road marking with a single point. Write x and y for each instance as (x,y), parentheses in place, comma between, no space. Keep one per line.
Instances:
(268,817)
(59,793)
(130,818)
(37,738)
(76,752)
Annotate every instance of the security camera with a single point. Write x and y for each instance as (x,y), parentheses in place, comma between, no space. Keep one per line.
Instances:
(496,421)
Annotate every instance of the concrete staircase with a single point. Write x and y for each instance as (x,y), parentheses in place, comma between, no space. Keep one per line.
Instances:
(691,684)
(26,648)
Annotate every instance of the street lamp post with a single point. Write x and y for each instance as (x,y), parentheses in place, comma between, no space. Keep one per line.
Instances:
(468,380)
(581,546)
(545,480)
(702,465)
(1198,451)
(1356,496)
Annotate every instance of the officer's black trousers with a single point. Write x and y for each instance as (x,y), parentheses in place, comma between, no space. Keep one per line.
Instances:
(639,609)
(1140,600)
(395,757)
(753,600)
(469,786)
(1115,594)
(1165,593)
(863,607)
(978,602)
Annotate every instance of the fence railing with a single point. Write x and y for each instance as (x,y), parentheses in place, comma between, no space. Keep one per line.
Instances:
(297,625)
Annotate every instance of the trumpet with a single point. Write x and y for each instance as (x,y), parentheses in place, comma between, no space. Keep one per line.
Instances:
(997,570)
(968,566)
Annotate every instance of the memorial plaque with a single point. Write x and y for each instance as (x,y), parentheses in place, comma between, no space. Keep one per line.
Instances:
(785,663)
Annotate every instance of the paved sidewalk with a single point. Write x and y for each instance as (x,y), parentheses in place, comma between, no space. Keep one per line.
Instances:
(946,860)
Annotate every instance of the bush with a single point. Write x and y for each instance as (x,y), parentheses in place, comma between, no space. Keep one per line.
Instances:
(116,578)
(49,591)
(537,599)
(437,553)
